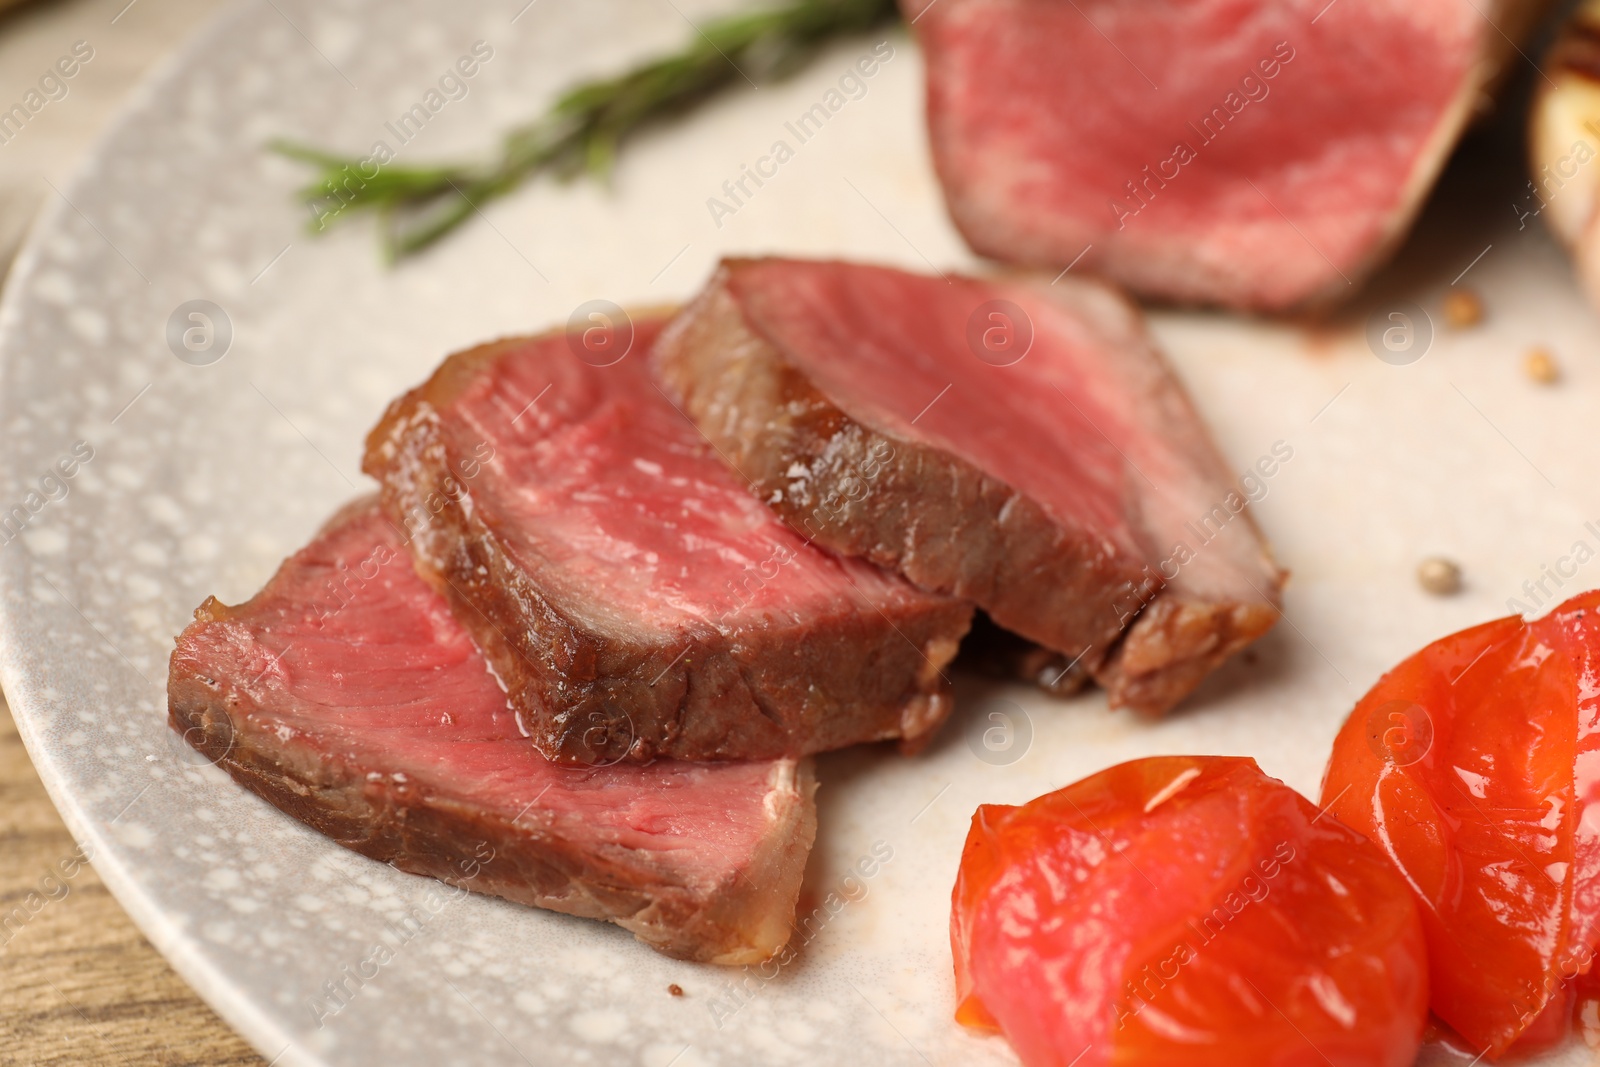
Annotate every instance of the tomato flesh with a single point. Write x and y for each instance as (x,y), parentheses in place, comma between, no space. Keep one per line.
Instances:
(1475,765)
(1185,912)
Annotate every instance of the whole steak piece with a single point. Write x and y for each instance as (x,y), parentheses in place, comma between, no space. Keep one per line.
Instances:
(632,594)
(346,694)
(1257,154)
(1016,443)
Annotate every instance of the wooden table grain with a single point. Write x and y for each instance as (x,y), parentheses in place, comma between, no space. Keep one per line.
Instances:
(78,983)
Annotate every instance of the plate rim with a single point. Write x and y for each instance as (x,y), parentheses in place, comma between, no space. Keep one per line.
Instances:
(204,979)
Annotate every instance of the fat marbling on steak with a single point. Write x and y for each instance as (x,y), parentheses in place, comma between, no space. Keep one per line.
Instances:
(1017,443)
(346,693)
(635,598)
(1257,154)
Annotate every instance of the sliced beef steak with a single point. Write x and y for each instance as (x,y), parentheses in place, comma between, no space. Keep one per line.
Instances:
(1251,153)
(634,596)
(1016,443)
(347,694)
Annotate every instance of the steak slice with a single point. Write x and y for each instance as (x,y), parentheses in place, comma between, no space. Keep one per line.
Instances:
(1256,154)
(1016,443)
(635,598)
(346,694)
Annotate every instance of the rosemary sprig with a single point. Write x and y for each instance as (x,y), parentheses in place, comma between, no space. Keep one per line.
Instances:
(581,133)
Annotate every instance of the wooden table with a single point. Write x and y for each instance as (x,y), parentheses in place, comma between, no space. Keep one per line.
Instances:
(78,983)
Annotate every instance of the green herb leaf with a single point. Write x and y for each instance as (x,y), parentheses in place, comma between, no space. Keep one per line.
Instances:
(581,133)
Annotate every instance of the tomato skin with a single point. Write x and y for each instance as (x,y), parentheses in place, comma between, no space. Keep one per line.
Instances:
(1185,912)
(1487,820)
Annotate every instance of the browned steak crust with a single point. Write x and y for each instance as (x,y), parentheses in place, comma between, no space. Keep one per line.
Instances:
(489,854)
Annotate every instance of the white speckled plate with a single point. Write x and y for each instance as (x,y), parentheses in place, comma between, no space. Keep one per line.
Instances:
(203,476)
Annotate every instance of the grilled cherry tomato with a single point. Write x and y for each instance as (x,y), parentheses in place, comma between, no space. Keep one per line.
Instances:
(1586,1007)
(1185,911)
(1476,765)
